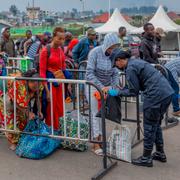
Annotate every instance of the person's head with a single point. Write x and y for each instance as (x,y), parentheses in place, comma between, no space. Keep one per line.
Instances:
(159,33)
(122,32)
(46,38)
(6,32)
(149,29)
(91,34)
(120,58)
(28,34)
(68,36)
(111,41)
(58,36)
(32,85)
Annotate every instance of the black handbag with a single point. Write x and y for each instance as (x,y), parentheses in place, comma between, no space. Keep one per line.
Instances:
(112,109)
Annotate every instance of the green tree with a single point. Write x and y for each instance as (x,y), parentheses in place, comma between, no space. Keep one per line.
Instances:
(177,21)
(13,9)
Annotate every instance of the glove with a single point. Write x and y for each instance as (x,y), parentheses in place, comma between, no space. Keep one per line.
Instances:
(113,92)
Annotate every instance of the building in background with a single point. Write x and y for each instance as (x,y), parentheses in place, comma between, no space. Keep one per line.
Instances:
(33,12)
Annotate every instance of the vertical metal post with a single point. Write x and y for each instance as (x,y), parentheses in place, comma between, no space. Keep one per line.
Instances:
(52,115)
(33,11)
(125,110)
(78,110)
(15,109)
(109,9)
(178,40)
(64,109)
(4,99)
(104,131)
(138,119)
(90,113)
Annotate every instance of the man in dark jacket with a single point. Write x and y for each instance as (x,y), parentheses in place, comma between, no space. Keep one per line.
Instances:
(148,48)
(141,76)
(82,49)
(7,44)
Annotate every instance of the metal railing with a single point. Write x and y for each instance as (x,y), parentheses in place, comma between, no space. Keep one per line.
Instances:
(106,166)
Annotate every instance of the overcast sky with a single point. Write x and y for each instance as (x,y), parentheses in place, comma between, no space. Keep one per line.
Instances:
(63,5)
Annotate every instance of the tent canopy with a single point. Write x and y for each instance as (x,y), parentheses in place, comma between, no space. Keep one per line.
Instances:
(162,20)
(114,23)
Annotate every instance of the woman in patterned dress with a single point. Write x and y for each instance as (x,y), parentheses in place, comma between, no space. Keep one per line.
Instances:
(27,94)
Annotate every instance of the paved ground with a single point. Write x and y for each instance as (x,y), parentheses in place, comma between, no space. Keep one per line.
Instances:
(68,165)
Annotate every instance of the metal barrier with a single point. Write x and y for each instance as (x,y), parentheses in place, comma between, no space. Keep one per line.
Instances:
(22,63)
(171,54)
(69,63)
(106,166)
(168,56)
(82,64)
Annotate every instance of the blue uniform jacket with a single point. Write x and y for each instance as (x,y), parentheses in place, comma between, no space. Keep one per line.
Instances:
(141,76)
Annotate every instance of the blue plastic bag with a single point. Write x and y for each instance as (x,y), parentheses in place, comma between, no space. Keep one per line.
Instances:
(36,147)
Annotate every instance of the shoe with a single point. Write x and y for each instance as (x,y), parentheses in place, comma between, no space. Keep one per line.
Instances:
(158,156)
(172,120)
(143,161)
(177,113)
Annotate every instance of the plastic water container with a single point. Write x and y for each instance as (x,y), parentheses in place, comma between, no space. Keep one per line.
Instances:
(25,65)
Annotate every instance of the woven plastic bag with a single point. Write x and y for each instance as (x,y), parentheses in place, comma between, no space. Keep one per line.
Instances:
(119,143)
(72,131)
(36,147)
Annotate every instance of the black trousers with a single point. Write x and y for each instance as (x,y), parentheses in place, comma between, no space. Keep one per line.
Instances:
(152,124)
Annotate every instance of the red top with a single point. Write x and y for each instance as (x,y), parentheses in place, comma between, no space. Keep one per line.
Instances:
(55,62)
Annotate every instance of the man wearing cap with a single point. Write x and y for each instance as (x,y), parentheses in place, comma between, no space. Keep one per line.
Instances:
(141,76)
(7,44)
(81,50)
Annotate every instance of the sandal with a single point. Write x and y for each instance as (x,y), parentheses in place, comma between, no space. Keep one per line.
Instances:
(98,152)
(12,147)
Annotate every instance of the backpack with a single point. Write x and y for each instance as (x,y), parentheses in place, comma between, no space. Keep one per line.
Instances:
(37,57)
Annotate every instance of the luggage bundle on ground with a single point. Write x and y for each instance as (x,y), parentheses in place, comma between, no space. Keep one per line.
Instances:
(72,131)
(36,147)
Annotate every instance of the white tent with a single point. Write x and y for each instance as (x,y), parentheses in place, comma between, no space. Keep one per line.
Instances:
(162,20)
(114,23)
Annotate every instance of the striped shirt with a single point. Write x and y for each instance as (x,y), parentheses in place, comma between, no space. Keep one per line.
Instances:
(33,50)
(100,69)
(174,67)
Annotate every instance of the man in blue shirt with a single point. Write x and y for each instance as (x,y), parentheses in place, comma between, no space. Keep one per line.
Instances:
(82,49)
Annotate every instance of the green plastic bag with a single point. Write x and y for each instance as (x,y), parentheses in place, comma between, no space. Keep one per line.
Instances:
(72,131)
(25,65)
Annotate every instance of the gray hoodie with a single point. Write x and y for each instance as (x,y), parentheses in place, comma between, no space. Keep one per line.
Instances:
(100,69)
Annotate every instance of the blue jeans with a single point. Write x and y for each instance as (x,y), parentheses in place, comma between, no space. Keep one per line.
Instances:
(152,124)
(175,97)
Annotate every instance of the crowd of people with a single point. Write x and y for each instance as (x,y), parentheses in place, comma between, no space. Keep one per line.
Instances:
(104,61)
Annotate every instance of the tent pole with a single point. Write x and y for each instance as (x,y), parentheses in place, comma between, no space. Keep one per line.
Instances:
(179,40)
(109,9)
